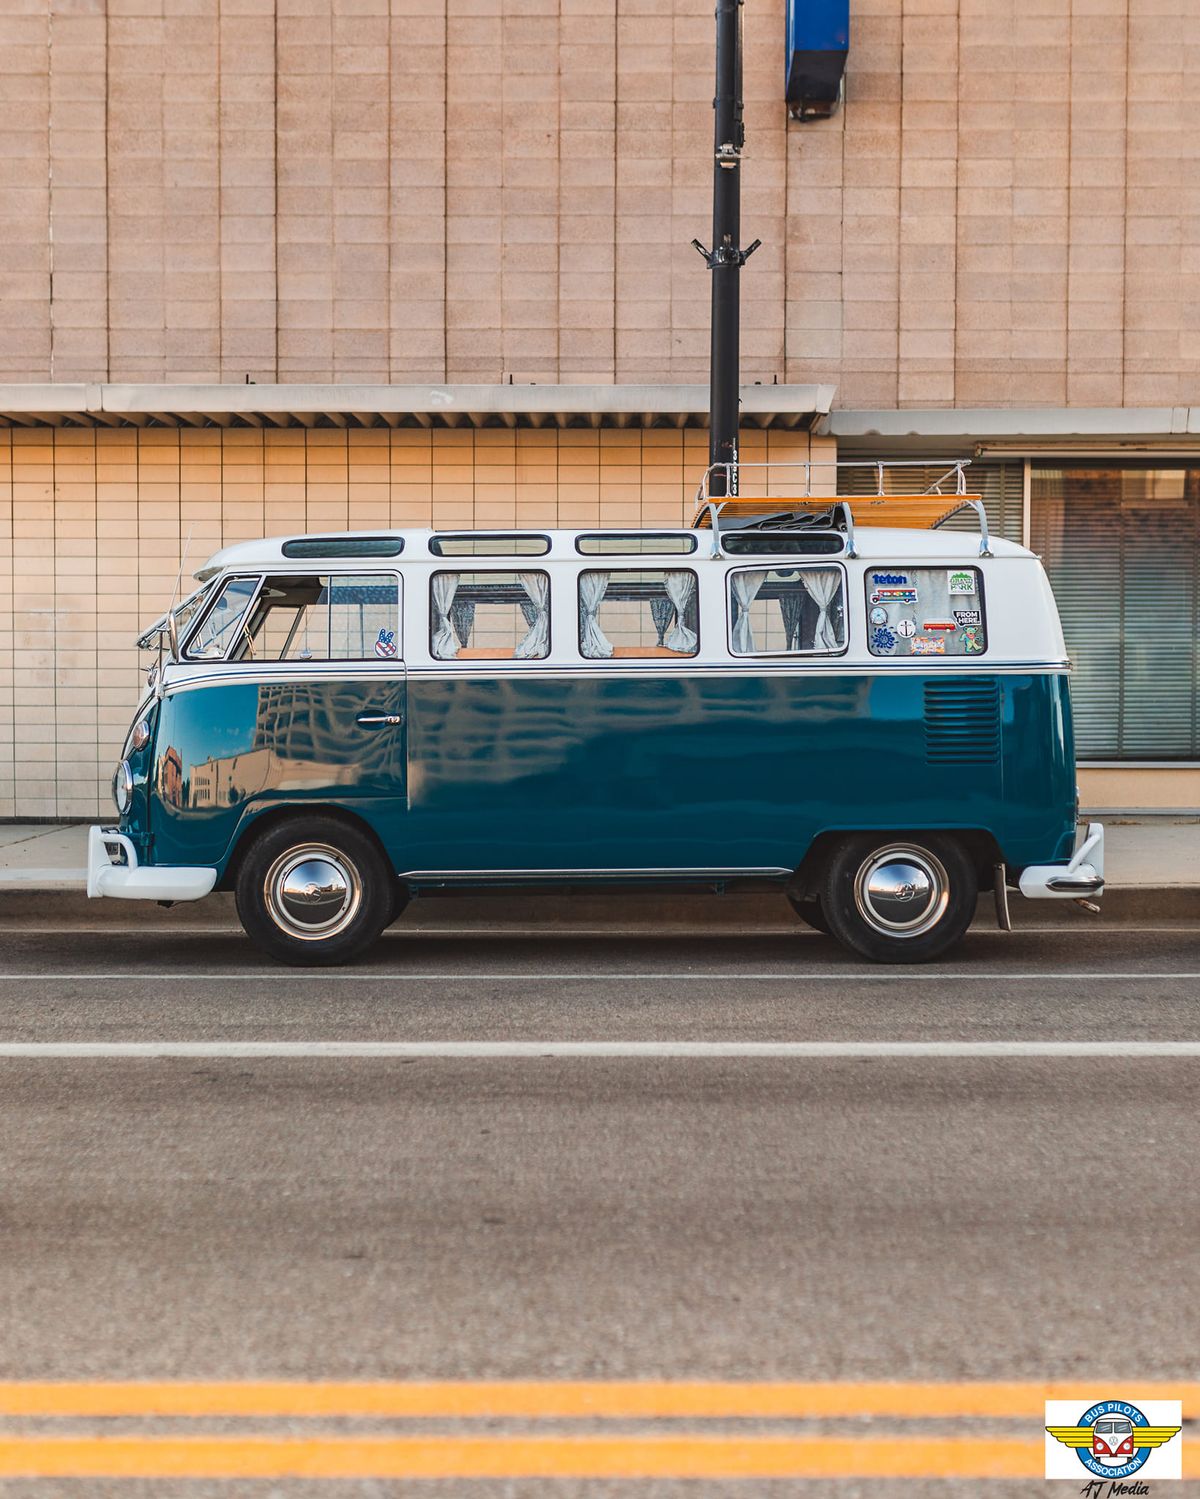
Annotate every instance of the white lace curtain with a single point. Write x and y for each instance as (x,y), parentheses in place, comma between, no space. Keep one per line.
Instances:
(537,639)
(745,587)
(593,642)
(681,590)
(445,642)
(822,587)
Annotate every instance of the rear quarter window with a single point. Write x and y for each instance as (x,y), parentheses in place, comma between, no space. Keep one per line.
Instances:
(925,611)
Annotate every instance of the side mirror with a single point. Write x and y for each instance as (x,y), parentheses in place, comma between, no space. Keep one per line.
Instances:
(173,635)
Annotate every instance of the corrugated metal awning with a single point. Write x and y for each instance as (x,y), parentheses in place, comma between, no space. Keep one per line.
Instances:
(790,407)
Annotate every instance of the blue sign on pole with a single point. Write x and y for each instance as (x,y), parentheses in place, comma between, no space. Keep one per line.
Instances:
(818,38)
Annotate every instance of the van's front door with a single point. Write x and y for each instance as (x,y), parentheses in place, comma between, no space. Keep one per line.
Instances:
(310,707)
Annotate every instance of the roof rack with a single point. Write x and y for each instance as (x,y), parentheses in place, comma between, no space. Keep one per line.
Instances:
(839,512)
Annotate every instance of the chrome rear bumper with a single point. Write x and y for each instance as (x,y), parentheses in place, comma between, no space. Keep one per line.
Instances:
(129,881)
(1082,877)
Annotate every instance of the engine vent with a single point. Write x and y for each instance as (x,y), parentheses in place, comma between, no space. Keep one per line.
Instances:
(962,722)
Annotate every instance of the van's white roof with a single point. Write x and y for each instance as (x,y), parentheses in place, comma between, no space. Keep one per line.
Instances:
(870,543)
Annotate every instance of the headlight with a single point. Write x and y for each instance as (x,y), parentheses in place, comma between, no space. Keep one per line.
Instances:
(123,786)
(140,737)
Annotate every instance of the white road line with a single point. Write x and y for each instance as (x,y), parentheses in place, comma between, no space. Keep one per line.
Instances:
(454,1050)
(923,975)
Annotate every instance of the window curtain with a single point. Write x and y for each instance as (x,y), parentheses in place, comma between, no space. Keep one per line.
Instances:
(745,587)
(681,590)
(537,641)
(822,588)
(445,645)
(593,642)
(791,607)
(462,617)
(662,612)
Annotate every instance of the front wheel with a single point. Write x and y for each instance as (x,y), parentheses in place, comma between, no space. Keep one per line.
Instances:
(314,890)
(899,900)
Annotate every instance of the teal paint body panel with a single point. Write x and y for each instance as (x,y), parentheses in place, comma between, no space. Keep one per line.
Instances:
(592,771)
(248,748)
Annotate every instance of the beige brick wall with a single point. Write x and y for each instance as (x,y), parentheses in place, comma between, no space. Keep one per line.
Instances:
(1004,212)
(93,525)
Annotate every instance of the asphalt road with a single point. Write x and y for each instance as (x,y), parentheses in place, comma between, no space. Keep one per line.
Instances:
(588,1217)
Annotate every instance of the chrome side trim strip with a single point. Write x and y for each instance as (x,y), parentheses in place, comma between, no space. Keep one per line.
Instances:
(769,872)
(732,669)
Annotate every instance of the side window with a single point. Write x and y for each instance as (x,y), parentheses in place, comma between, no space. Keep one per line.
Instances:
(787,611)
(925,611)
(638,614)
(489,616)
(220,625)
(337,617)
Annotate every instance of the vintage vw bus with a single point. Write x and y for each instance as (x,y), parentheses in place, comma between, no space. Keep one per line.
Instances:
(832,697)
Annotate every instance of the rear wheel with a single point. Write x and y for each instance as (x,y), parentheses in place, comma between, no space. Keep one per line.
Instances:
(899,900)
(314,890)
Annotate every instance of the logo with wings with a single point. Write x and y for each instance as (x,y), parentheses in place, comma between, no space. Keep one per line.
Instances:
(1113,1438)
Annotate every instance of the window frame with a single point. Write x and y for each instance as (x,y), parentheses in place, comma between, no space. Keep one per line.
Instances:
(489,662)
(389,663)
(928,566)
(645,535)
(185,648)
(631,660)
(759,567)
(511,536)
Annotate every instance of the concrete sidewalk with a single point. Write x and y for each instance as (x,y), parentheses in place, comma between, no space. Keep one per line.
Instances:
(1152,870)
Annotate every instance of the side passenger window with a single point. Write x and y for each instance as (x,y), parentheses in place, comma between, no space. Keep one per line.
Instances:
(341,617)
(638,614)
(787,611)
(489,616)
(925,611)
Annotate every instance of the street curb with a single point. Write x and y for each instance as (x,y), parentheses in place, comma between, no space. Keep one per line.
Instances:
(643,912)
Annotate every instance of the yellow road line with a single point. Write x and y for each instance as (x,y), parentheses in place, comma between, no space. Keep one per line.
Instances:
(534,1400)
(675,1456)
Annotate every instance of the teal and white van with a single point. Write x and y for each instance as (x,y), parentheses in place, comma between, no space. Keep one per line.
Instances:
(836,698)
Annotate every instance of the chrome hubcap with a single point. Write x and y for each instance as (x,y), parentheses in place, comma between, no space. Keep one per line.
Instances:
(312,891)
(901,891)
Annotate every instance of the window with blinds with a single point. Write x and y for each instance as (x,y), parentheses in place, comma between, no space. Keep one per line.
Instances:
(1121,547)
(999,484)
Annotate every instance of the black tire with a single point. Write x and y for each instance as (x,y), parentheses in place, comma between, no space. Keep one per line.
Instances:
(400,900)
(810,912)
(314,890)
(899,899)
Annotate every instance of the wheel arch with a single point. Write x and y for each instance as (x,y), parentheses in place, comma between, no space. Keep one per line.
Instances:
(981,845)
(257,826)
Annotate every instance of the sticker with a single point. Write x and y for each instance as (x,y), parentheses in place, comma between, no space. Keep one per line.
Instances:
(882,641)
(972,637)
(878,616)
(386,644)
(906,629)
(894,596)
(924,645)
(968,616)
(962,582)
(889,577)
(939,624)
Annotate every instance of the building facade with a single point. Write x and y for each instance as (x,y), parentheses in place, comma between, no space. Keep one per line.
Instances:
(272,264)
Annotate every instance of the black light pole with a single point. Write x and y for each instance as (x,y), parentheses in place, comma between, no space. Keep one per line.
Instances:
(725,259)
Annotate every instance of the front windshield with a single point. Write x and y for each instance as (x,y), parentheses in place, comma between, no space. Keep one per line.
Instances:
(184,613)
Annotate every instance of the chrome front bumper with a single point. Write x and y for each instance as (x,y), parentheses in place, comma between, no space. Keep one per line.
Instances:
(129,881)
(1082,877)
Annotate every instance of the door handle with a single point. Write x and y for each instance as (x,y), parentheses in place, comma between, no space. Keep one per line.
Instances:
(377,720)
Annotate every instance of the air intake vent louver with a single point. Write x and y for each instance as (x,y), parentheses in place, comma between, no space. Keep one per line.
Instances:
(962,723)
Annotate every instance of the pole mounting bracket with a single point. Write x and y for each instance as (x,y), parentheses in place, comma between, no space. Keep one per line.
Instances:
(725,254)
